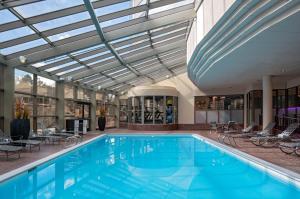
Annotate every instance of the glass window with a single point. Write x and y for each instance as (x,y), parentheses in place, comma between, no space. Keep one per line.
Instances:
(99,96)
(69,108)
(23,81)
(45,122)
(123,110)
(69,91)
(137,107)
(46,106)
(45,87)
(159,110)
(83,94)
(148,110)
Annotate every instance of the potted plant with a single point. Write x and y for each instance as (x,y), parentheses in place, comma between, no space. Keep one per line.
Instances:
(20,126)
(102,119)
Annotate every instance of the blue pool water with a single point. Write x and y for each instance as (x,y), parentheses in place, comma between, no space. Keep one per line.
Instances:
(148,167)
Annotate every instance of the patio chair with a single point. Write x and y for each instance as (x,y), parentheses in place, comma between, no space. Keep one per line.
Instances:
(290,147)
(271,140)
(267,131)
(10,150)
(31,143)
(232,135)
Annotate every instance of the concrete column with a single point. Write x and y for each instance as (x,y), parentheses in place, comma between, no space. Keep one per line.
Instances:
(142,109)
(93,111)
(245,111)
(8,85)
(60,104)
(267,100)
(117,111)
(35,104)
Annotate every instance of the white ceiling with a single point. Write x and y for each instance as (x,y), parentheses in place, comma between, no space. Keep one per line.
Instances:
(276,52)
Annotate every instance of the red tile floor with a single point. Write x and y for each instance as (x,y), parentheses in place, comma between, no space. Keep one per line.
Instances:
(273,155)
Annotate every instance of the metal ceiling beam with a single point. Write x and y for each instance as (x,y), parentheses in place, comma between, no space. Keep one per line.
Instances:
(58,14)
(77,25)
(96,23)
(116,34)
(133,58)
(90,78)
(9,3)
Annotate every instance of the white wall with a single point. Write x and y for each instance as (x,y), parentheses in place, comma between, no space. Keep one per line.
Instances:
(207,16)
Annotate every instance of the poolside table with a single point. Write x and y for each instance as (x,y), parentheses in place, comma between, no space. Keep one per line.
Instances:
(31,143)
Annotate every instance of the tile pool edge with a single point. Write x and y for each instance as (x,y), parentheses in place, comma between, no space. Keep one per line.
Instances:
(284,174)
(36,163)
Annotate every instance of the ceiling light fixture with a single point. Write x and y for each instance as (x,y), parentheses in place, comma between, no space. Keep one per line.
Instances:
(99,87)
(22,59)
(167,76)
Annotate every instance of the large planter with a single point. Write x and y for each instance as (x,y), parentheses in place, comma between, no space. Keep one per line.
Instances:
(101,123)
(20,128)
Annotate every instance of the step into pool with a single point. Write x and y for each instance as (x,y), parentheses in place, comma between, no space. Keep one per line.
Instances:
(148,167)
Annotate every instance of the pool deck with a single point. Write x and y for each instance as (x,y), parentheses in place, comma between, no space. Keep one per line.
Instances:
(272,155)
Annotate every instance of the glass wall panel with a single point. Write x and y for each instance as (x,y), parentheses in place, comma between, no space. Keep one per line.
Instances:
(175,108)
(212,116)
(27,100)
(169,110)
(99,96)
(200,117)
(130,110)
(220,109)
(45,87)
(23,81)
(137,107)
(292,102)
(148,110)
(69,108)
(69,91)
(224,116)
(1,109)
(46,106)
(159,110)
(45,122)
(123,110)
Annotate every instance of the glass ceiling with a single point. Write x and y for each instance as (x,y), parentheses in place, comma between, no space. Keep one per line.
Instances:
(125,44)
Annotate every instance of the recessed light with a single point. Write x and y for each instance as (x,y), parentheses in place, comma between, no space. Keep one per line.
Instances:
(167,76)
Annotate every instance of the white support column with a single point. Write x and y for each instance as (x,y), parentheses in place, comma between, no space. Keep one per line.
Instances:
(93,111)
(245,111)
(60,104)
(267,100)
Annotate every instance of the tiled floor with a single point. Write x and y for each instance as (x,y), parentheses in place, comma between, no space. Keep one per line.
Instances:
(273,155)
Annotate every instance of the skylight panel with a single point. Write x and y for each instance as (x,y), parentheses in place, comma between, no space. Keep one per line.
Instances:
(6,16)
(71,33)
(73,69)
(61,66)
(170,6)
(62,21)
(115,21)
(112,8)
(21,47)
(15,33)
(87,50)
(93,56)
(46,6)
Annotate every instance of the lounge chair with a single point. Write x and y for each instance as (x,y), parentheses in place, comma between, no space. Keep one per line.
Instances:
(10,150)
(31,143)
(290,147)
(274,140)
(267,131)
(232,135)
